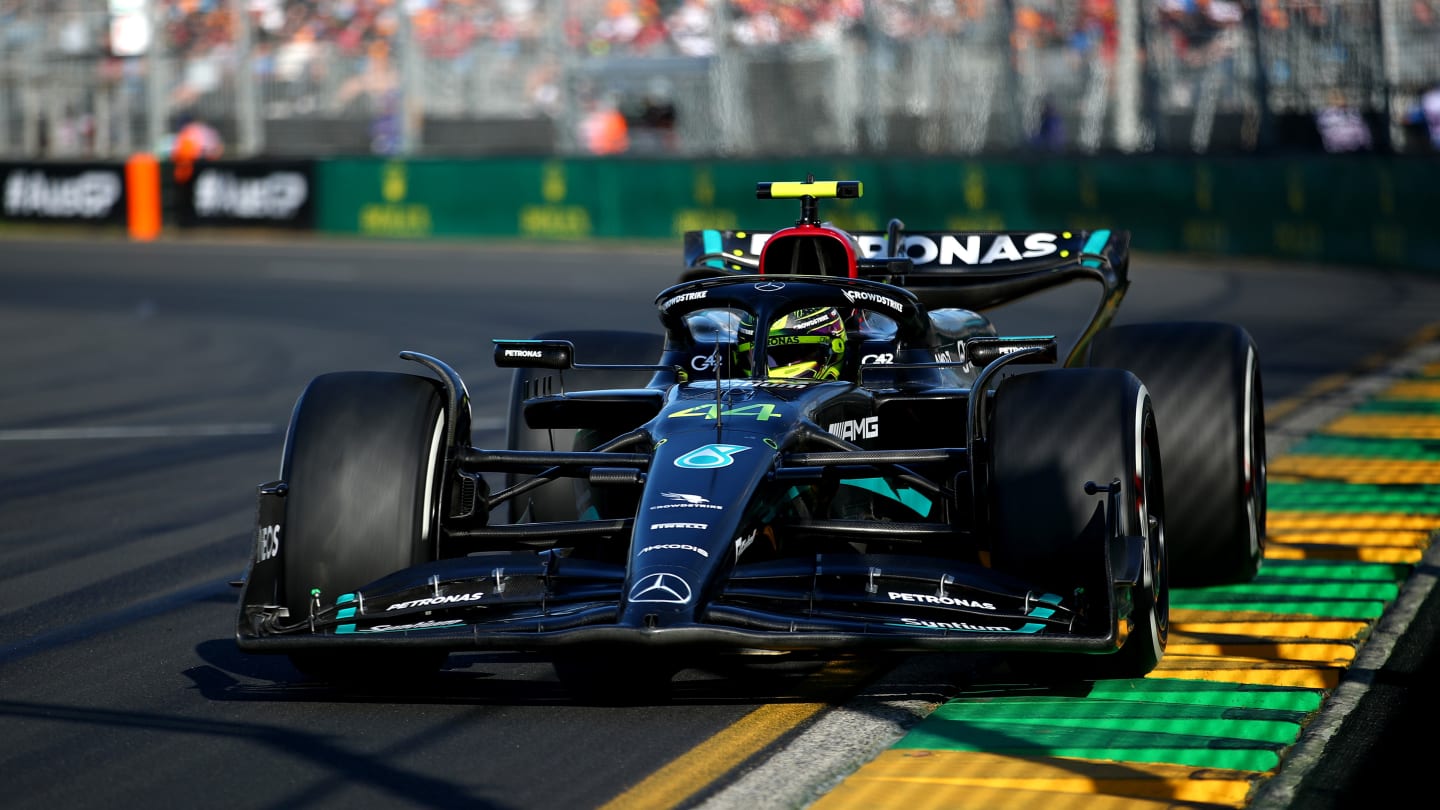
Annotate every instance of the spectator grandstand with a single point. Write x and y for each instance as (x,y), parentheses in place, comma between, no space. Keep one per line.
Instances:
(735,77)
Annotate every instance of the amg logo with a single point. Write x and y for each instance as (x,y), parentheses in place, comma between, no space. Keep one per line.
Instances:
(536,353)
(929,625)
(852,429)
(939,600)
(437,600)
(856,295)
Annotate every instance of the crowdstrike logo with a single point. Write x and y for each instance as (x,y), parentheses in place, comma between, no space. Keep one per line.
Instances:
(686,497)
(857,295)
(661,588)
(686,501)
(813,322)
(683,297)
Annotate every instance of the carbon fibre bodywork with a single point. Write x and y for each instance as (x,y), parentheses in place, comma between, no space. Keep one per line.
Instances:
(715,511)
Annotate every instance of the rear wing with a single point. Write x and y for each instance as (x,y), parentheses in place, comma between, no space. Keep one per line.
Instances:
(965,269)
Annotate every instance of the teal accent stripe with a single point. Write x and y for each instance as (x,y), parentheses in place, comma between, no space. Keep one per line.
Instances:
(909,498)
(345,613)
(713,244)
(1095,244)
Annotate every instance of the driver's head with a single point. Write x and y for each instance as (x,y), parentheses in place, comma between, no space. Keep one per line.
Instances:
(808,344)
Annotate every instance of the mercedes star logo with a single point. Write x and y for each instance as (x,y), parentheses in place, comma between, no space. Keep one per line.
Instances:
(668,588)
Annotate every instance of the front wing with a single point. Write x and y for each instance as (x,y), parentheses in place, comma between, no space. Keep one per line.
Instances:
(851,602)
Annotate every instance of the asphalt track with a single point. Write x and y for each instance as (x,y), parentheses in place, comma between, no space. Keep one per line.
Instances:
(146,388)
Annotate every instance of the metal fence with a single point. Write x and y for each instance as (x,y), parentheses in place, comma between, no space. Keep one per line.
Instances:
(696,78)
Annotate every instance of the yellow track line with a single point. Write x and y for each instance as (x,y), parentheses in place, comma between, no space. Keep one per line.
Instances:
(925,780)
(1399,426)
(1349,537)
(1197,623)
(1360,470)
(1277,521)
(702,765)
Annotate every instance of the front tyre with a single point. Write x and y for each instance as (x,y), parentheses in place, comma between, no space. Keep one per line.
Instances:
(363,463)
(1052,432)
(1205,380)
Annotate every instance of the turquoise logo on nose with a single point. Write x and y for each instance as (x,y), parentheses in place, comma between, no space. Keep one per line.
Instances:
(710,457)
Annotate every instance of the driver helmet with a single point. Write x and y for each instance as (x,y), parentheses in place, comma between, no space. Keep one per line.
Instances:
(808,344)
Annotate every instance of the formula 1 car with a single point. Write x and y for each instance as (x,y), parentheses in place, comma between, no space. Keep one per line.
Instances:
(830,450)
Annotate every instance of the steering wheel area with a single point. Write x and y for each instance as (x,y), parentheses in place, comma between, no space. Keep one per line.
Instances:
(704,312)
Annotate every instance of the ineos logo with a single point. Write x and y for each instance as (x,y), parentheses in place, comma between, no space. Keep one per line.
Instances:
(267,542)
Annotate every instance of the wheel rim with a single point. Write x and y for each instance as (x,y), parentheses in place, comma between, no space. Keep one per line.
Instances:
(430,507)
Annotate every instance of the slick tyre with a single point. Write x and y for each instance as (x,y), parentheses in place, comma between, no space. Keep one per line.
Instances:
(1204,379)
(563,498)
(1052,432)
(363,461)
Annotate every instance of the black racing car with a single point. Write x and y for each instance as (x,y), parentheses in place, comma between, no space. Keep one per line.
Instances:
(827,450)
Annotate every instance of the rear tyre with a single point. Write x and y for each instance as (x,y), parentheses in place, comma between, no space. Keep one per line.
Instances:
(1205,381)
(363,460)
(564,498)
(1053,431)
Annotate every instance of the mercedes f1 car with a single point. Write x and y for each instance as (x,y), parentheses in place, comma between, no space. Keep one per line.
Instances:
(828,449)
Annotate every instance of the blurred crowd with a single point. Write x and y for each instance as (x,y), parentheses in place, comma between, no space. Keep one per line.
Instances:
(297,44)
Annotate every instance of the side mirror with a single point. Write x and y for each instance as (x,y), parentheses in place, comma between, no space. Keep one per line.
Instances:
(555,354)
(982,351)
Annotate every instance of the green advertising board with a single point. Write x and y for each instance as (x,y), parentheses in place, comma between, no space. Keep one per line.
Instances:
(1367,210)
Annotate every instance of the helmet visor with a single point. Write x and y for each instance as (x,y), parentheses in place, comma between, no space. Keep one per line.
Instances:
(798,356)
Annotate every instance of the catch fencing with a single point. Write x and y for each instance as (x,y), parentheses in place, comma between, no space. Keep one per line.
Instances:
(709,78)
